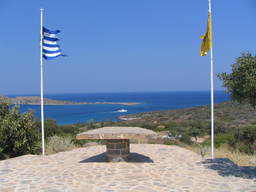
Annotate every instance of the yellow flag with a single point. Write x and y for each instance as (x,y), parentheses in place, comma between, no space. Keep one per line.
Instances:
(207,37)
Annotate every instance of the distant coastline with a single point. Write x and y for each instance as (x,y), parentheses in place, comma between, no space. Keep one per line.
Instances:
(71,113)
(35,100)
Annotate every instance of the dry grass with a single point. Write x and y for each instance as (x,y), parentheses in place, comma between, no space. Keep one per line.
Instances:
(57,144)
(237,157)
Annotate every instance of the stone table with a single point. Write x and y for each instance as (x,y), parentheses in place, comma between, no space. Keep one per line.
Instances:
(117,139)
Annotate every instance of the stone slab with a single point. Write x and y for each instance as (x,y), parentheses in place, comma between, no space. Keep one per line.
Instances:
(107,133)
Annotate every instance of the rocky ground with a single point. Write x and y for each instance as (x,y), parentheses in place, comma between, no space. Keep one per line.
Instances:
(152,168)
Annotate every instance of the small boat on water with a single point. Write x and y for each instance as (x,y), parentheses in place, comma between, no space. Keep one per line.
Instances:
(122,111)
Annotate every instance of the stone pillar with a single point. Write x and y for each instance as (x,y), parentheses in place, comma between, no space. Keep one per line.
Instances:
(118,150)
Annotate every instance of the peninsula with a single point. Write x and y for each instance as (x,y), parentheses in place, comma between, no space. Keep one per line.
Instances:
(35,100)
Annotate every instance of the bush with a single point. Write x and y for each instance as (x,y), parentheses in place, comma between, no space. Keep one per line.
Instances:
(4,110)
(171,142)
(245,139)
(185,138)
(51,128)
(220,139)
(69,130)
(220,127)
(57,144)
(246,134)
(198,128)
(18,132)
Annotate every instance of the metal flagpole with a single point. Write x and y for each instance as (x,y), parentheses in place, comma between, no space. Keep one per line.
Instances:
(42,82)
(212,96)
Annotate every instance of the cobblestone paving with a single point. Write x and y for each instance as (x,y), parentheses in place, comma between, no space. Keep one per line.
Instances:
(173,169)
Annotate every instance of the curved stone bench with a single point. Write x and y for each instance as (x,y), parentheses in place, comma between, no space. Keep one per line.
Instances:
(117,139)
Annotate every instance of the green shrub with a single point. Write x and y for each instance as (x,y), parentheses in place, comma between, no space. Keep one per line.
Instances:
(57,144)
(194,132)
(185,138)
(220,127)
(4,110)
(69,130)
(18,132)
(51,128)
(172,124)
(221,139)
(171,142)
(245,139)
(246,134)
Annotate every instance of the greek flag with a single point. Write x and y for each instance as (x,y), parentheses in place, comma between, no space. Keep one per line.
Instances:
(51,49)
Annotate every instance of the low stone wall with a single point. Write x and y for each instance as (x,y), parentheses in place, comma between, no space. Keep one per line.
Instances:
(118,149)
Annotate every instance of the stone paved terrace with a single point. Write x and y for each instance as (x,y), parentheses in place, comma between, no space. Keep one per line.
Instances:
(155,168)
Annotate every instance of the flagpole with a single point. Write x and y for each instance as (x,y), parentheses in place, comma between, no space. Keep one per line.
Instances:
(42,82)
(212,96)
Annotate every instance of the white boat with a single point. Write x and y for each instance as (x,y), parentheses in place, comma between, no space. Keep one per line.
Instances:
(122,111)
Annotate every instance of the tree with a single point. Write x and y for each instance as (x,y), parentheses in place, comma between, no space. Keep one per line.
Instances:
(241,82)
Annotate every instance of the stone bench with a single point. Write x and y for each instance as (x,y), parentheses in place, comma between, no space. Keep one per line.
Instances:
(117,139)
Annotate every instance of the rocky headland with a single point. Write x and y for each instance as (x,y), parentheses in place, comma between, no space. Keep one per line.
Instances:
(35,100)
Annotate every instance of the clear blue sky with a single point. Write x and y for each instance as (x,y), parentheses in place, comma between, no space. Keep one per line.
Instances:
(121,45)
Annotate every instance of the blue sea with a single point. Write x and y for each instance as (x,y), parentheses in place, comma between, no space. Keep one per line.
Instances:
(150,101)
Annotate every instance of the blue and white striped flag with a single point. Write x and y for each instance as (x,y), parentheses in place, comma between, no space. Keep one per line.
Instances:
(51,49)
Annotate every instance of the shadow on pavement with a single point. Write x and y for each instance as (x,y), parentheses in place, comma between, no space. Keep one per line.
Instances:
(226,167)
(133,158)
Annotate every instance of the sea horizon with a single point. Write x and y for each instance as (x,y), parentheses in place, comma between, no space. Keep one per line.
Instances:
(149,101)
(107,92)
